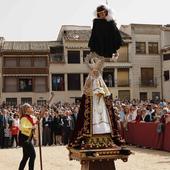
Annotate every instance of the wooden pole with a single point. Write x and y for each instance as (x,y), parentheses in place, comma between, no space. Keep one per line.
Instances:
(39,144)
(39,133)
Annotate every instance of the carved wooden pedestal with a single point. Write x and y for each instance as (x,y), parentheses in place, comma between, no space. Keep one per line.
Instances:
(98,165)
(98,159)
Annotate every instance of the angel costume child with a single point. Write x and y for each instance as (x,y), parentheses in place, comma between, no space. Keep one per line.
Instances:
(105,37)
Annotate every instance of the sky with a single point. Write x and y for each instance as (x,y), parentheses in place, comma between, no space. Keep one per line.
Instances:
(41,20)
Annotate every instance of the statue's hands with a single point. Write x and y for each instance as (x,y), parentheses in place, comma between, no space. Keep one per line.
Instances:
(99,94)
(115,56)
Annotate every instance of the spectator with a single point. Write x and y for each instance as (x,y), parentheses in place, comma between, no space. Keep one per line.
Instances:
(56,127)
(2,127)
(7,136)
(65,127)
(46,122)
(133,113)
(139,115)
(151,112)
(15,130)
(145,116)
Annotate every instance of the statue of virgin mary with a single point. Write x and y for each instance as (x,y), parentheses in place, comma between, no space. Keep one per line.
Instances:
(96,122)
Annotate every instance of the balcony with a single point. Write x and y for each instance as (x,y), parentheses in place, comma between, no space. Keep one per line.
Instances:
(25,70)
(123,83)
(57,58)
(148,82)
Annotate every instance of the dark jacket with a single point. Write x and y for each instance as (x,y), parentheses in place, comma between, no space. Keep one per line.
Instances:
(147,118)
(56,125)
(47,122)
(105,38)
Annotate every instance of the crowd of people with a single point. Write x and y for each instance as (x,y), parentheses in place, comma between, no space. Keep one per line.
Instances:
(56,124)
(58,121)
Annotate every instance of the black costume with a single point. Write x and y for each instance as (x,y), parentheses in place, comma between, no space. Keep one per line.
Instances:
(105,38)
(83,130)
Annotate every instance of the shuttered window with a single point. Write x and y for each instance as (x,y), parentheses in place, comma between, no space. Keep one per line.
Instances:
(10,84)
(40,84)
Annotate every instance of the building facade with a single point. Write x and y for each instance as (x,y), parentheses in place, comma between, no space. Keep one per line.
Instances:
(32,70)
(25,72)
(1,46)
(69,72)
(165,34)
(146,60)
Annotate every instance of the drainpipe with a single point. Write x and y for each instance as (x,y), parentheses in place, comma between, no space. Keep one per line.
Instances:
(161,60)
(162,91)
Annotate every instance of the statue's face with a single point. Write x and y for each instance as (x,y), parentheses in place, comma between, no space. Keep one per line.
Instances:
(102,14)
(95,73)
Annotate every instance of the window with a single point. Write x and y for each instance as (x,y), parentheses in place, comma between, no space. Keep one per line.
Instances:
(78,100)
(40,84)
(147,77)
(108,76)
(124,94)
(26,100)
(25,62)
(10,62)
(25,85)
(85,53)
(57,54)
(123,54)
(143,96)
(41,102)
(166,57)
(58,82)
(10,84)
(166,75)
(153,47)
(73,57)
(140,48)
(73,82)
(11,101)
(40,62)
(57,50)
(56,58)
(123,77)
(84,77)
(156,96)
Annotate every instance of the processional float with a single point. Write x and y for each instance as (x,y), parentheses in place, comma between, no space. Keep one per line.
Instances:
(97,148)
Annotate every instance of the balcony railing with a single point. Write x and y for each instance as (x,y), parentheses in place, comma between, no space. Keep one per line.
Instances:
(57,58)
(119,60)
(123,83)
(25,70)
(148,82)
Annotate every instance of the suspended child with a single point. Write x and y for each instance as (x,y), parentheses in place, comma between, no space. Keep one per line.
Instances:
(105,37)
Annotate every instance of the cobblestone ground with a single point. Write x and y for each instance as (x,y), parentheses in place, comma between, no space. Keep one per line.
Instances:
(56,158)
